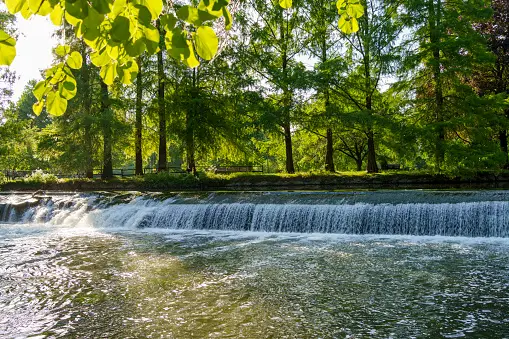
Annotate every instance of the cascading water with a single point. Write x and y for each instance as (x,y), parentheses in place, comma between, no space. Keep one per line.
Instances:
(136,265)
(470,214)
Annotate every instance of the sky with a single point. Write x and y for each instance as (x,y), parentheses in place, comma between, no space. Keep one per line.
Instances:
(33,50)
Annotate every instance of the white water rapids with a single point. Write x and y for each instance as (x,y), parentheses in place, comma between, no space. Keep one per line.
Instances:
(329,214)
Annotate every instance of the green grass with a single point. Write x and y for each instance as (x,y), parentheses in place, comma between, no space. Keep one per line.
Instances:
(266,181)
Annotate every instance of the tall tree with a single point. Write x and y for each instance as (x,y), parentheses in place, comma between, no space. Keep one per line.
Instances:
(448,51)
(106,121)
(372,54)
(163,158)
(323,45)
(139,123)
(493,78)
(7,76)
(86,97)
(277,38)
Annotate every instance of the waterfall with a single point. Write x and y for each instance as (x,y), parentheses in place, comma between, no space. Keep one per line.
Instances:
(479,215)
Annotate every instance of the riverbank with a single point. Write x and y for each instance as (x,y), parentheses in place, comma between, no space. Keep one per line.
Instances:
(267,182)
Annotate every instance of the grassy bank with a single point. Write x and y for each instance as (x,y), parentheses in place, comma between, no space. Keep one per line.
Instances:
(258,181)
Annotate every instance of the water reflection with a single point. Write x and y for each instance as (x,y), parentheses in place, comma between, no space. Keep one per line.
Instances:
(88,284)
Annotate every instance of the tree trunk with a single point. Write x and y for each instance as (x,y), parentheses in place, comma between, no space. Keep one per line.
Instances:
(286,121)
(107,132)
(329,160)
(288,146)
(87,105)
(434,17)
(138,128)
(191,114)
(502,137)
(163,158)
(359,164)
(191,164)
(329,152)
(372,166)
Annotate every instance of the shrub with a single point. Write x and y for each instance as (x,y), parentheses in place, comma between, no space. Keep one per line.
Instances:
(165,179)
(39,177)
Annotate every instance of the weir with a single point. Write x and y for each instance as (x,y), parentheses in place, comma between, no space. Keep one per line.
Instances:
(426,213)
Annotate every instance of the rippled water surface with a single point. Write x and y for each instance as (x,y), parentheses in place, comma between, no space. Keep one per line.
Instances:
(91,283)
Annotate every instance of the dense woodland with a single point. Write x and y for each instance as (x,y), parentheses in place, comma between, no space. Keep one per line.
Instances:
(422,83)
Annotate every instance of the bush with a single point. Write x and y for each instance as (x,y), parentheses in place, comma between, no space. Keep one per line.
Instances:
(166,179)
(39,177)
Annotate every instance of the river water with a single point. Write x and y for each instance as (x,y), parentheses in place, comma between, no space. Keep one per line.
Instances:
(75,277)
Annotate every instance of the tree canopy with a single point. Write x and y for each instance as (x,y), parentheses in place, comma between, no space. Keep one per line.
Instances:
(291,85)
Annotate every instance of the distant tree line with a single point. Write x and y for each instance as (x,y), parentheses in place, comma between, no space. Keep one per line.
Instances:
(421,83)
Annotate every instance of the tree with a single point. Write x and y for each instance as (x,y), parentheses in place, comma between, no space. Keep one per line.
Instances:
(372,53)
(493,78)
(139,118)
(448,51)
(323,45)
(277,38)
(86,97)
(163,159)
(106,119)
(7,77)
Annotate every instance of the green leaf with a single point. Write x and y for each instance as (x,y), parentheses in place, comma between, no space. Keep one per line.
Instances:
(113,50)
(176,44)
(57,15)
(68,89)
(93,20)
(154,6)
(109,73)
(26,13)
(62,50)
(45,8)
(71,20)
(168,21)
(144,16)
(191,60)
(77,9)
(35,5)
(341,5)
(14,6)
(152,37)
(207,16)
(285,3)
(75,60)
(118,7)
(100,59)
(227,18)
(102,6)
(212,7)
(7,48)
(136,48)
(206,42)
(40,90)
(120,29)
(58,76)
(348,25)
(189,14)
(128,72)
(355,10)
(37,107)
(180,48)
(55,104)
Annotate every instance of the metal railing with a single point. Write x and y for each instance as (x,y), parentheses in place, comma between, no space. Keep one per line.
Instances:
(237,169)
